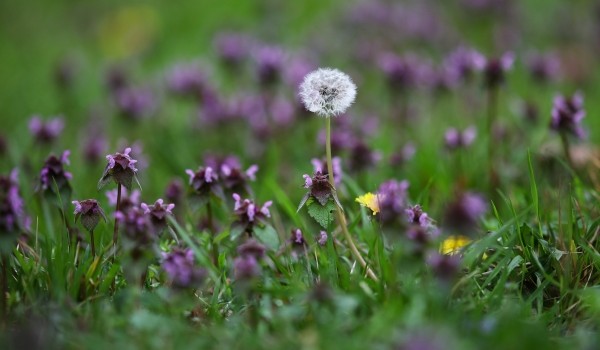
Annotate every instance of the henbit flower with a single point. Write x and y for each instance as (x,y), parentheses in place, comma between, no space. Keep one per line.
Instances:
(392,199)
(463,213)
(465,61)
(12,214)
(415,215)
(327,92)
(496,69)
(174,191)
(136,227)
(454,138)
(186,80)
(158,213)
(120,168)
(53,175)
(543,67)
(269,61)
(297,240)
(181,268)
(567,114)
(404,155)
(232,49)
(89,212)
(230,172)
(370,201)
(401,72)
(94,148)
(362,157)
(321,166)
(248,213)
(454,244)
(319,189)
(322,238)
(135,104)
(46,132)
(127,200)
(444,267)
(204,181)
(253,248)
(246,267)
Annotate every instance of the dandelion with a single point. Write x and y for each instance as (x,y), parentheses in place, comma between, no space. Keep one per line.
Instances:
(327,92)
(454,244)
(370,201)
(89,213)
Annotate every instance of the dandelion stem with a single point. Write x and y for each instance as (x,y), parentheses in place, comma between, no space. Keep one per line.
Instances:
(340,214)
(116,231)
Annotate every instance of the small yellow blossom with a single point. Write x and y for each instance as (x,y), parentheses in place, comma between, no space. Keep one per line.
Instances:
(453,244)
(370,201)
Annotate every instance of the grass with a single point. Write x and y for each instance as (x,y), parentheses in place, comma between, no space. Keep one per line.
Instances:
(529,278)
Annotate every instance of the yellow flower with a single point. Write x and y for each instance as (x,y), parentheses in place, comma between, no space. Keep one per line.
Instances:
(453,244)
(370,201)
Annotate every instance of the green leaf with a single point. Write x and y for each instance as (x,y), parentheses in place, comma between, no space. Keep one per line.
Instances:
(268,236)
(323,214)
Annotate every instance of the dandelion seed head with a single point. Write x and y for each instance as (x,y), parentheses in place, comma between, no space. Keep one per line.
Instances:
(327,92)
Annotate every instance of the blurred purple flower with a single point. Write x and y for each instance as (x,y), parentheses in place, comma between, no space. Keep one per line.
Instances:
(12,212)
(136,227)
(135,103)
(402,73)
(128,201)
(415,215)
(464,62)
(567,114)
(297,240)
(496,68)
(269,64)
(249,213)
(53,175)
(46,132)
(459,139)
(187,80)
(464,212)
(362,157)
(445,267)
(252,248)
(232,49)
(158,213)
(94,148)
(322,238)
(320,165)
(543,67)
(404,155)
(230,172)
(392,197)
(174,192)
(246,267)
(181,268)
(204,181)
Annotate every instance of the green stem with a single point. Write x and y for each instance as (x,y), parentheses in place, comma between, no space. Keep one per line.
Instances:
(116,230)
(93,244)
(492,105)
(340,214)
(566,149)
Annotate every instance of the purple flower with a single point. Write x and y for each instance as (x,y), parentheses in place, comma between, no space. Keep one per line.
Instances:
(94,148)
(135,103)
(401,72)
(392,196)
(204,181)
(445,267)
(297,240)
(46,132)
(53,175)
(136,227)
(319,189)
(249,213)
(420,237)
(459,139)
(158,213)
(181,268)
(269,61)
(567,114)
(322,239)
(89,212)
(415,215)
(464,62)
(174,191)
(128,201)
(464,212)
(187,80)
(282,112)
(362,157)
(12,214)
(496,68)
(543,67)
(252,248)
(231,175)
(232,49)
(320,165)
(404,155)
(246,267)
(120,168)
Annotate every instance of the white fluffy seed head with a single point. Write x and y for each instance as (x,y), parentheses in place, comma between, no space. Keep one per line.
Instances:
(327,92)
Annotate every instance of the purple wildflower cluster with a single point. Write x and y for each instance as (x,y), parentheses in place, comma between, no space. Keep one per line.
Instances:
(12,210)
(53,176)
(182,269)
(221,174)
(121,169)
(567,114)
(46,132)
(456,139)
(248,214)
(247,265)
(89,212)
